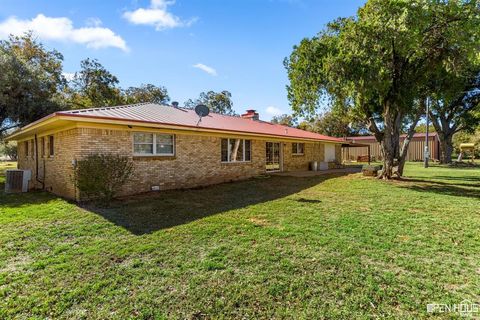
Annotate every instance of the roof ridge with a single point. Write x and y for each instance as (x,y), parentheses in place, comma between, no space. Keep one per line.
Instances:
(107,108)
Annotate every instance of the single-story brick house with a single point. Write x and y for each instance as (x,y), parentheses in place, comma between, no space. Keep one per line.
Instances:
(169,146)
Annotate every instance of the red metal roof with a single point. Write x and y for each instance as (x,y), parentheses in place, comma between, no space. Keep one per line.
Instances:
(159,114)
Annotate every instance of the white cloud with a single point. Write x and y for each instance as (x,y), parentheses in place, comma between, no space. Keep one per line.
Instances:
(93,22)
(274,111)
(61,29)
(69,75)
(157,15)
(206,68)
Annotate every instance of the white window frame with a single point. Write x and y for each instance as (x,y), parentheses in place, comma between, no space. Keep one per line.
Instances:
(296,153)
(228,151)
(154,154)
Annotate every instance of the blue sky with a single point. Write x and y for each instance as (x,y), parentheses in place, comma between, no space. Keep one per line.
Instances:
(187,46)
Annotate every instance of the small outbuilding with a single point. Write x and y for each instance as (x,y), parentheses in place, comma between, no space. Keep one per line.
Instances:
(370,145)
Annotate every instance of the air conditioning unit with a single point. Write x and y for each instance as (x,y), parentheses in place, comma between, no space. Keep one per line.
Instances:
(17,180)
(323,166)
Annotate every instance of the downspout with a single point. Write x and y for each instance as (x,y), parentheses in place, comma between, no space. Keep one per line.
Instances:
(36,164)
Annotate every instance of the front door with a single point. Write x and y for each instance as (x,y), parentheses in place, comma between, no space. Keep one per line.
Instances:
(273,156)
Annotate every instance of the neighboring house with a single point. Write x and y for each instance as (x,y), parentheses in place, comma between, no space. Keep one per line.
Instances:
(170,147)
(415,151)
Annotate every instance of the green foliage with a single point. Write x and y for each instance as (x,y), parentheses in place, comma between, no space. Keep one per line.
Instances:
(422,128)
(379,64)
(335,123)
(218,102)
(284,119)
(146,93)
(94,86)
(466,137)
(30,81)
(32,85)
(455,104)
(101,176)
(10,150)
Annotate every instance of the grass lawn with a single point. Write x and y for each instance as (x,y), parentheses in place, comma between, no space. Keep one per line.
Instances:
(281,247)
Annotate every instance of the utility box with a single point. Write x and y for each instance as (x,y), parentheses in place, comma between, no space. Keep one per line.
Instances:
(323,166)
(17,180)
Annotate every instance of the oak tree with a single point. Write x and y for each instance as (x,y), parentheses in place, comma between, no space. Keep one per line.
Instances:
(379,63)
(31,81)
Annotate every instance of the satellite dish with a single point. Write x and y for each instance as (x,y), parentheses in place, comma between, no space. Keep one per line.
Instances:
(202,111)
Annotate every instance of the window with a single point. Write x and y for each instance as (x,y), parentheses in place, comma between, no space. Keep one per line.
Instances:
(297,148)
(51,146)
(236,150)
(164,144)
(153,144)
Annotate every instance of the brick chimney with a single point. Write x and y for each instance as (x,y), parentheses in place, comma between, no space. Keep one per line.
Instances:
(251,114)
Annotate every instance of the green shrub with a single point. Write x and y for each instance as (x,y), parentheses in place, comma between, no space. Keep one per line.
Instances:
(101,176)
(10,150)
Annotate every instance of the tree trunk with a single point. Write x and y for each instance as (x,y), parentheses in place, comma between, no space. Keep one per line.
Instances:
(445,135)
(446,148)
(388,148)
(403,154)
(406,143)
(390,142)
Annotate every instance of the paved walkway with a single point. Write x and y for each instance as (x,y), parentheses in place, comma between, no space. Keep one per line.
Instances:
(303,174)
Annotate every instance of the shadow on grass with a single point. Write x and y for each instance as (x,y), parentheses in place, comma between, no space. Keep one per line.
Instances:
(456,183)
(18,200)
(474,179)
(464,166)
(444,188)
(150,212)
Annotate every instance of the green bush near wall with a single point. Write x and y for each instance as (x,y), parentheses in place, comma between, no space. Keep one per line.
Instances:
(101,176)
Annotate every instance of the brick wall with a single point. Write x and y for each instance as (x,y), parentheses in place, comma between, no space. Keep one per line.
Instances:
(56,171)
(196,161)
(314,151)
